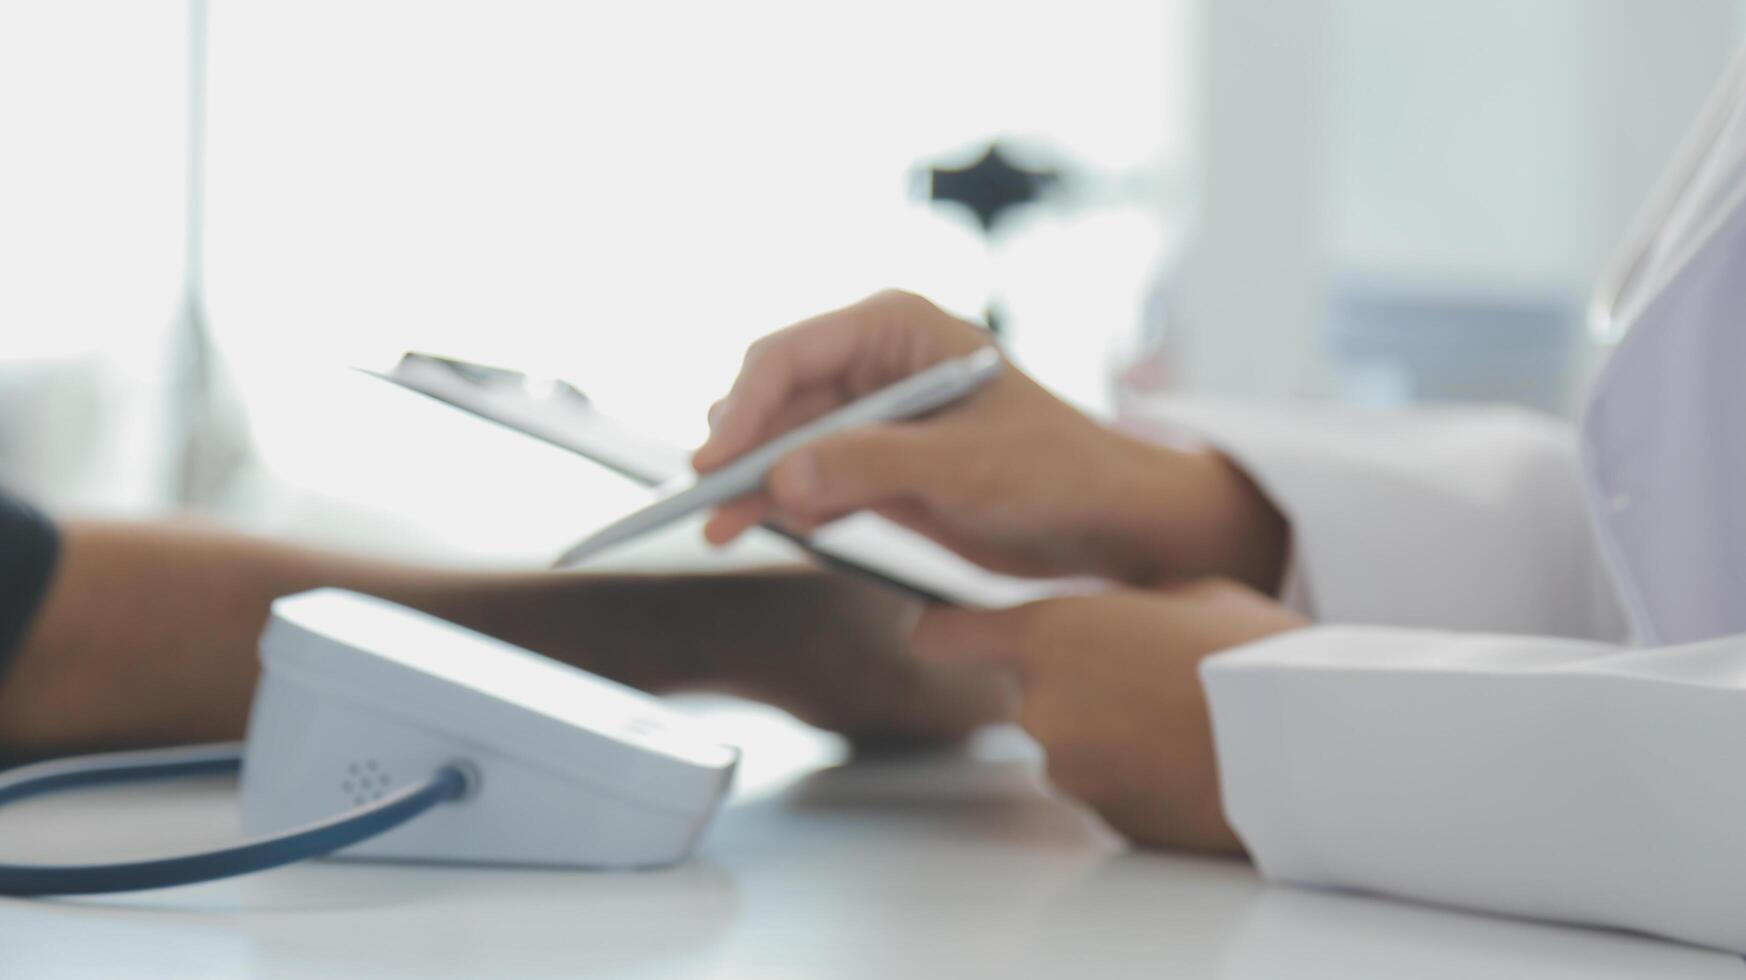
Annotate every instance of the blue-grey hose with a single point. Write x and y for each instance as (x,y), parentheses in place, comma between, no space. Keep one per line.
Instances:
(313,840)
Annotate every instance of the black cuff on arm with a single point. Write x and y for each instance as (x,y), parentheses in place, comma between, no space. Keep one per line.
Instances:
(29,545)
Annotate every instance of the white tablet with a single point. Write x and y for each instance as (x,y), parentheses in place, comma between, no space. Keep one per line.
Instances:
(555,412)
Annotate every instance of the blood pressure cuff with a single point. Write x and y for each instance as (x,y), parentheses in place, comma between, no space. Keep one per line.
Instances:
(29,545)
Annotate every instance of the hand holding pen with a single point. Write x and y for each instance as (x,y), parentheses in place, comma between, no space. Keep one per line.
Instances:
(1011,477)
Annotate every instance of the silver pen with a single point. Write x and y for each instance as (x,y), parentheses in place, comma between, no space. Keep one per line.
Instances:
(921,392)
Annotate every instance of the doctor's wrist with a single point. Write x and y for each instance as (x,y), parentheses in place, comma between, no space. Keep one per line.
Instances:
(1194,513)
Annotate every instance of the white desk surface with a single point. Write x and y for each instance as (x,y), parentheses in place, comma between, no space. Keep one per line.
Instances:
(949,865)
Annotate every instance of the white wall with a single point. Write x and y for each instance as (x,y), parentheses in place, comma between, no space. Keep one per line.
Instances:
(1254,263)
(1492,146)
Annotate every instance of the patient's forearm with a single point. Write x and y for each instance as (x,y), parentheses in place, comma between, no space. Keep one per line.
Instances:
(148,636)
(148,632)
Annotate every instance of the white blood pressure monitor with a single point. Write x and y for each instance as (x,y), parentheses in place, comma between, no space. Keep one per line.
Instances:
(359,697)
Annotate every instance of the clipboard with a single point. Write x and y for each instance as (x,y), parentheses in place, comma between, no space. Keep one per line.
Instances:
(556,412)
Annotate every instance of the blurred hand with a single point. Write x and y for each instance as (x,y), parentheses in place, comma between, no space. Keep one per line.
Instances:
(831,650)
(1111,690)
(1010,478)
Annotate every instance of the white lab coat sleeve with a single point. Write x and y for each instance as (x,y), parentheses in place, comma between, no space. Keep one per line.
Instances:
(1558,779)
(1457,518)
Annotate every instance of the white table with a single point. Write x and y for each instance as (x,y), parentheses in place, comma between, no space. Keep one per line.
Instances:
(950,865)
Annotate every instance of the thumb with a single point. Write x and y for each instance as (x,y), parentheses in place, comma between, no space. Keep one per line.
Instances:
(857,469)
(988,637)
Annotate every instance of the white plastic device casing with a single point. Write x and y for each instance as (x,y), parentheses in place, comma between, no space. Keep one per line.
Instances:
(359,696)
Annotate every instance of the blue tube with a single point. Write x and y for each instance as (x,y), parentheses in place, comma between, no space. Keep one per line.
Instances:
(312,840)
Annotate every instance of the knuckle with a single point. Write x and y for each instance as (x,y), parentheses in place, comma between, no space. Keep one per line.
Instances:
(760,350)
(900,299)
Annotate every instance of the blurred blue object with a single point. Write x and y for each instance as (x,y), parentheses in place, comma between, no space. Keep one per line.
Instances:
(1391,345)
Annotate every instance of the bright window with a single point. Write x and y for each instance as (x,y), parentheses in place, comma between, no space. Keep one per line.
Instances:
(92,173)
(626,194)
